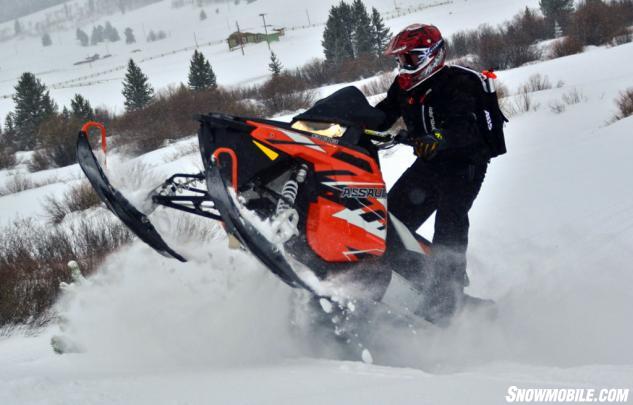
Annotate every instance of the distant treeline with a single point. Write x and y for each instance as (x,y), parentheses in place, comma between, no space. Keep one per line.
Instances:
(11,9)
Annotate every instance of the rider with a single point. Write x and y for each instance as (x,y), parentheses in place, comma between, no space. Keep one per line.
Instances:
(440,106)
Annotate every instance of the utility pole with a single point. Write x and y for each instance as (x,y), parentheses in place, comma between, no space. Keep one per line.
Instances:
(395,5)
(308,15)
(239,35)
(263,16)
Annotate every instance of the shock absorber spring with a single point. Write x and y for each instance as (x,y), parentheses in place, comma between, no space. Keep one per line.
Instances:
(291,189)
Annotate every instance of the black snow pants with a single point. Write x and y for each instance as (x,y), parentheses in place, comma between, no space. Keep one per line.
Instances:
(448,188)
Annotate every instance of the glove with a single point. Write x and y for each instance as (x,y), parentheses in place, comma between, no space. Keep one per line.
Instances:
(427,146)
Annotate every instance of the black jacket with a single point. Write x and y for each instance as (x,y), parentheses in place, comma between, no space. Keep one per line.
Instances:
(449,101)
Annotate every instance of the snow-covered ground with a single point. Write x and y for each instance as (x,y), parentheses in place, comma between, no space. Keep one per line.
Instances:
(551,241)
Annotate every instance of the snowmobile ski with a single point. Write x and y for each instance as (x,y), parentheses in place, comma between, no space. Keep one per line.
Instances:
(135,220)
(247,234)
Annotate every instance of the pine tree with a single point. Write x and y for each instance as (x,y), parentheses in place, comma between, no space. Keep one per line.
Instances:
(9,126)
(83,38)
(203,15)
(201,75)
(275,65)
(129,36)
(556,11)
(33,105)
(17,27)
(110,33)
(346,17)
(363,32)
(97,35)
(66,115)
(137,91)
(46,40)
(337,37)
(9,137)
(81,108)
(381,34)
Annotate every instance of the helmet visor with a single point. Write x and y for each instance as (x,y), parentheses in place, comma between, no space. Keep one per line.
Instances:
(417,58)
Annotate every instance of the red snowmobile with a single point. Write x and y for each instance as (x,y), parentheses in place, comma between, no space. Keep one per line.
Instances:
(307,198)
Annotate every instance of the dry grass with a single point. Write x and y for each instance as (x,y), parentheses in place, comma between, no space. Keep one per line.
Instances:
(574,96)
(17,184)
(20,182)
(33,261)
(523,102)
(625,105)
(79,198)
(537,82)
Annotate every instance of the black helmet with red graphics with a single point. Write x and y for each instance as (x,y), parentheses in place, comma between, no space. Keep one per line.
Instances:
(420,52)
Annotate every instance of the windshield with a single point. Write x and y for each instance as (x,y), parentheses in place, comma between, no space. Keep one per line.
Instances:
(330,130)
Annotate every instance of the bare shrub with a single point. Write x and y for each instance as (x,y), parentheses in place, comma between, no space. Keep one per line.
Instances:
(79,198)
(171,114)
(625,104)
(17,184)
(509,45)
(501,89)
(537,82)
(285,93)
(20,182)
(566,46)
(574,96)
(522,102)
(379,85)
(7,158)
(596,22)
(503,95)
(461,44)
(57,137)
(39,161)
(315,73)
(624,38)
(33,260)
(490,49)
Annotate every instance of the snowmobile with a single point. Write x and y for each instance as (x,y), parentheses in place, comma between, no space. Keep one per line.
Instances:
(306,198)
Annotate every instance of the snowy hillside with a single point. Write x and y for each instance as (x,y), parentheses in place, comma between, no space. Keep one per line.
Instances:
(166,62)
(551,237)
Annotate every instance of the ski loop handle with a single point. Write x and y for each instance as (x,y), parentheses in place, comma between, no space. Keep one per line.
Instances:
(104,146)
(233,156)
